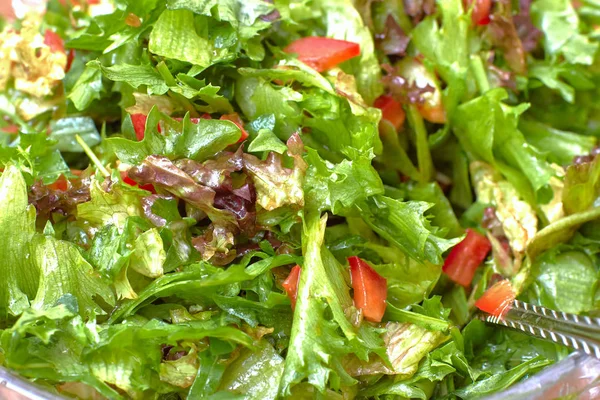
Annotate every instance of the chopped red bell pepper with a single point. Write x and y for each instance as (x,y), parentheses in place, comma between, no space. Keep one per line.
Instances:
(55,42)
(370,289)
(391,110)
(465,257)
(290,285)
(235,118)
(127,180)
(323,53)
(481,11)
(139,125)
(61,184)
(498,299)
(70,58)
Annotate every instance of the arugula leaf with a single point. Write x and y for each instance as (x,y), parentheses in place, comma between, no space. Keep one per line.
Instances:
(88,88)
(17,227)
(198,281)
(135,75)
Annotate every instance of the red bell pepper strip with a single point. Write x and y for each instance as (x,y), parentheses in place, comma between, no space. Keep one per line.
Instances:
(55,42)
(391,111)
(370,289)
(323,53)
(139,125)
(127,180)
(465,257)
(235,118)
(481,11)
(498,299)
(290,285)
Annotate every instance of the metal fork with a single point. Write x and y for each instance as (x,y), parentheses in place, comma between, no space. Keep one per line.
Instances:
(575,331)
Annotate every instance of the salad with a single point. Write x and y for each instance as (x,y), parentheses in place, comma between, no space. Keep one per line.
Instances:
(250,199)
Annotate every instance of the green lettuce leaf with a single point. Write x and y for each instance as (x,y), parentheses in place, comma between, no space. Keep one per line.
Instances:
(322,290)
(559,22)
(17,227)
(64,272)
(254,374)
(569,289)
(487,129)
(112,208)
(403,225)
(344,22)
(180,140)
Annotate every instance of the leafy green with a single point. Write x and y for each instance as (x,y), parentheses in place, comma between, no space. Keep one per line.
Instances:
(562,36)
(65,129)
(17,227)
(322,289)
(254,374)
(488,130)
(403,225)
(64,272)
(344,22)
(196,141)
(566,280)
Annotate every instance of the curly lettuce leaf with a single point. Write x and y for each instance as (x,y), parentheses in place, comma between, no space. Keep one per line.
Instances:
(487,129)
(344,22)
(322,290)
(17,227)
(403,224)
(197,141)
(559,22)
(64,272)
(447,47)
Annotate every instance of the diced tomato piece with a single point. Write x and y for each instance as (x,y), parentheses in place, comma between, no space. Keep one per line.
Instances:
(290,285)
(481,11)
(55,42)
(370,289)
(139,125)
(323,53)
(498,299)
(235,118)
(465,257)
(391,110)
